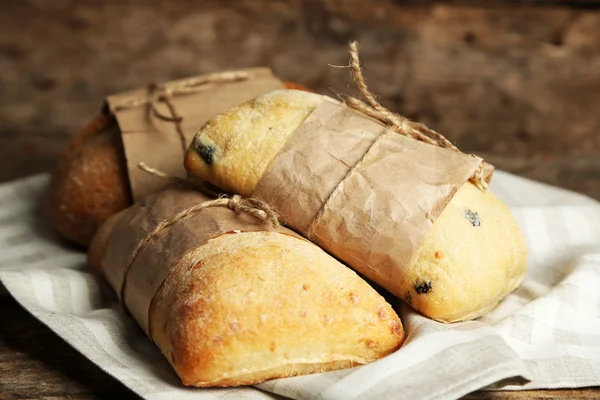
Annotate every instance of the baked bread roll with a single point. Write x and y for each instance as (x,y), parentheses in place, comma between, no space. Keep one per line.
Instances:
(471,258)
(91,182)
(230,301)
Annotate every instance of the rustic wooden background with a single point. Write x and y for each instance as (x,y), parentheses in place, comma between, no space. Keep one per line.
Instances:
(515,81)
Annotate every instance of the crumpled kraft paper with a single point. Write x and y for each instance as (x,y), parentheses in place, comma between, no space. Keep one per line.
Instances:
(156,142)
(364,193)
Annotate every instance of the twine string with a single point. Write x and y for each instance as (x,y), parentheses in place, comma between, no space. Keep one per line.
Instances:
(400,124)
(160,174)
(163,94)
(252,206)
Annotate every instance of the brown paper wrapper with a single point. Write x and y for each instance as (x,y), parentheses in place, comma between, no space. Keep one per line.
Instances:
(368,195)
(156,142)
(137,286)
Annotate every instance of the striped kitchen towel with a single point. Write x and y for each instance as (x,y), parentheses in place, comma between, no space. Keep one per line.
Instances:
(544,335)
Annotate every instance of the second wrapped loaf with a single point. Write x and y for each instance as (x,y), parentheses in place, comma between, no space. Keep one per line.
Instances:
(230,300)
(399,211)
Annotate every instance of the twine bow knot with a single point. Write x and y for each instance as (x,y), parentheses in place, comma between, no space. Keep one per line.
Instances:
(237,203)
(157,94)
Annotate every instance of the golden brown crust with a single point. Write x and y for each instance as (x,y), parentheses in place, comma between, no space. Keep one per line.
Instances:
(263,305)
(245,140)
(473,256)
(295,86)
(90,183)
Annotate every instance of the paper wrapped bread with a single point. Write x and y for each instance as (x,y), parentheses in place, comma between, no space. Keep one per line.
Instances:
(472,253)
(91,182)
(230,300)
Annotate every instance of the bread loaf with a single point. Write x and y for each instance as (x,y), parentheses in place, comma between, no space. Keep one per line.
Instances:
(471,258)
(248,304)
(91,181)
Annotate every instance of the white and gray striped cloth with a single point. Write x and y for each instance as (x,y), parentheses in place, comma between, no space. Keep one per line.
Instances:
(545,335)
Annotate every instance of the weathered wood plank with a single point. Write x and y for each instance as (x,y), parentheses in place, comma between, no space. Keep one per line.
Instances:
(587,393)
(513,80)
(518,82)
(37,364)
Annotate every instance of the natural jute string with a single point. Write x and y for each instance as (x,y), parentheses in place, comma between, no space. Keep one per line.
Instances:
(160,174)
(395,123)
(398,123)
(248,205)
(252,206)
(161,94)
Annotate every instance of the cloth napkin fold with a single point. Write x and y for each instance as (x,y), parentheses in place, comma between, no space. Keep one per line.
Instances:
(544,335)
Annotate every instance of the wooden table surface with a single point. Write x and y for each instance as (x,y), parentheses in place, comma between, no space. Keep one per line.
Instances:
(515,79)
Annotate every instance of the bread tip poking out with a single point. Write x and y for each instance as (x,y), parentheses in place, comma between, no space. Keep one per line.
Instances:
(234,149)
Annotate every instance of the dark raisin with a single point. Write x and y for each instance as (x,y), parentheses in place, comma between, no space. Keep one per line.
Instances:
(206,152)
(473,217)
(423,287)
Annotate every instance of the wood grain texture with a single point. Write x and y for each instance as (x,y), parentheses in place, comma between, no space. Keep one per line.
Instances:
(518,84)
(520,80)
(37,364)
(587,393)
